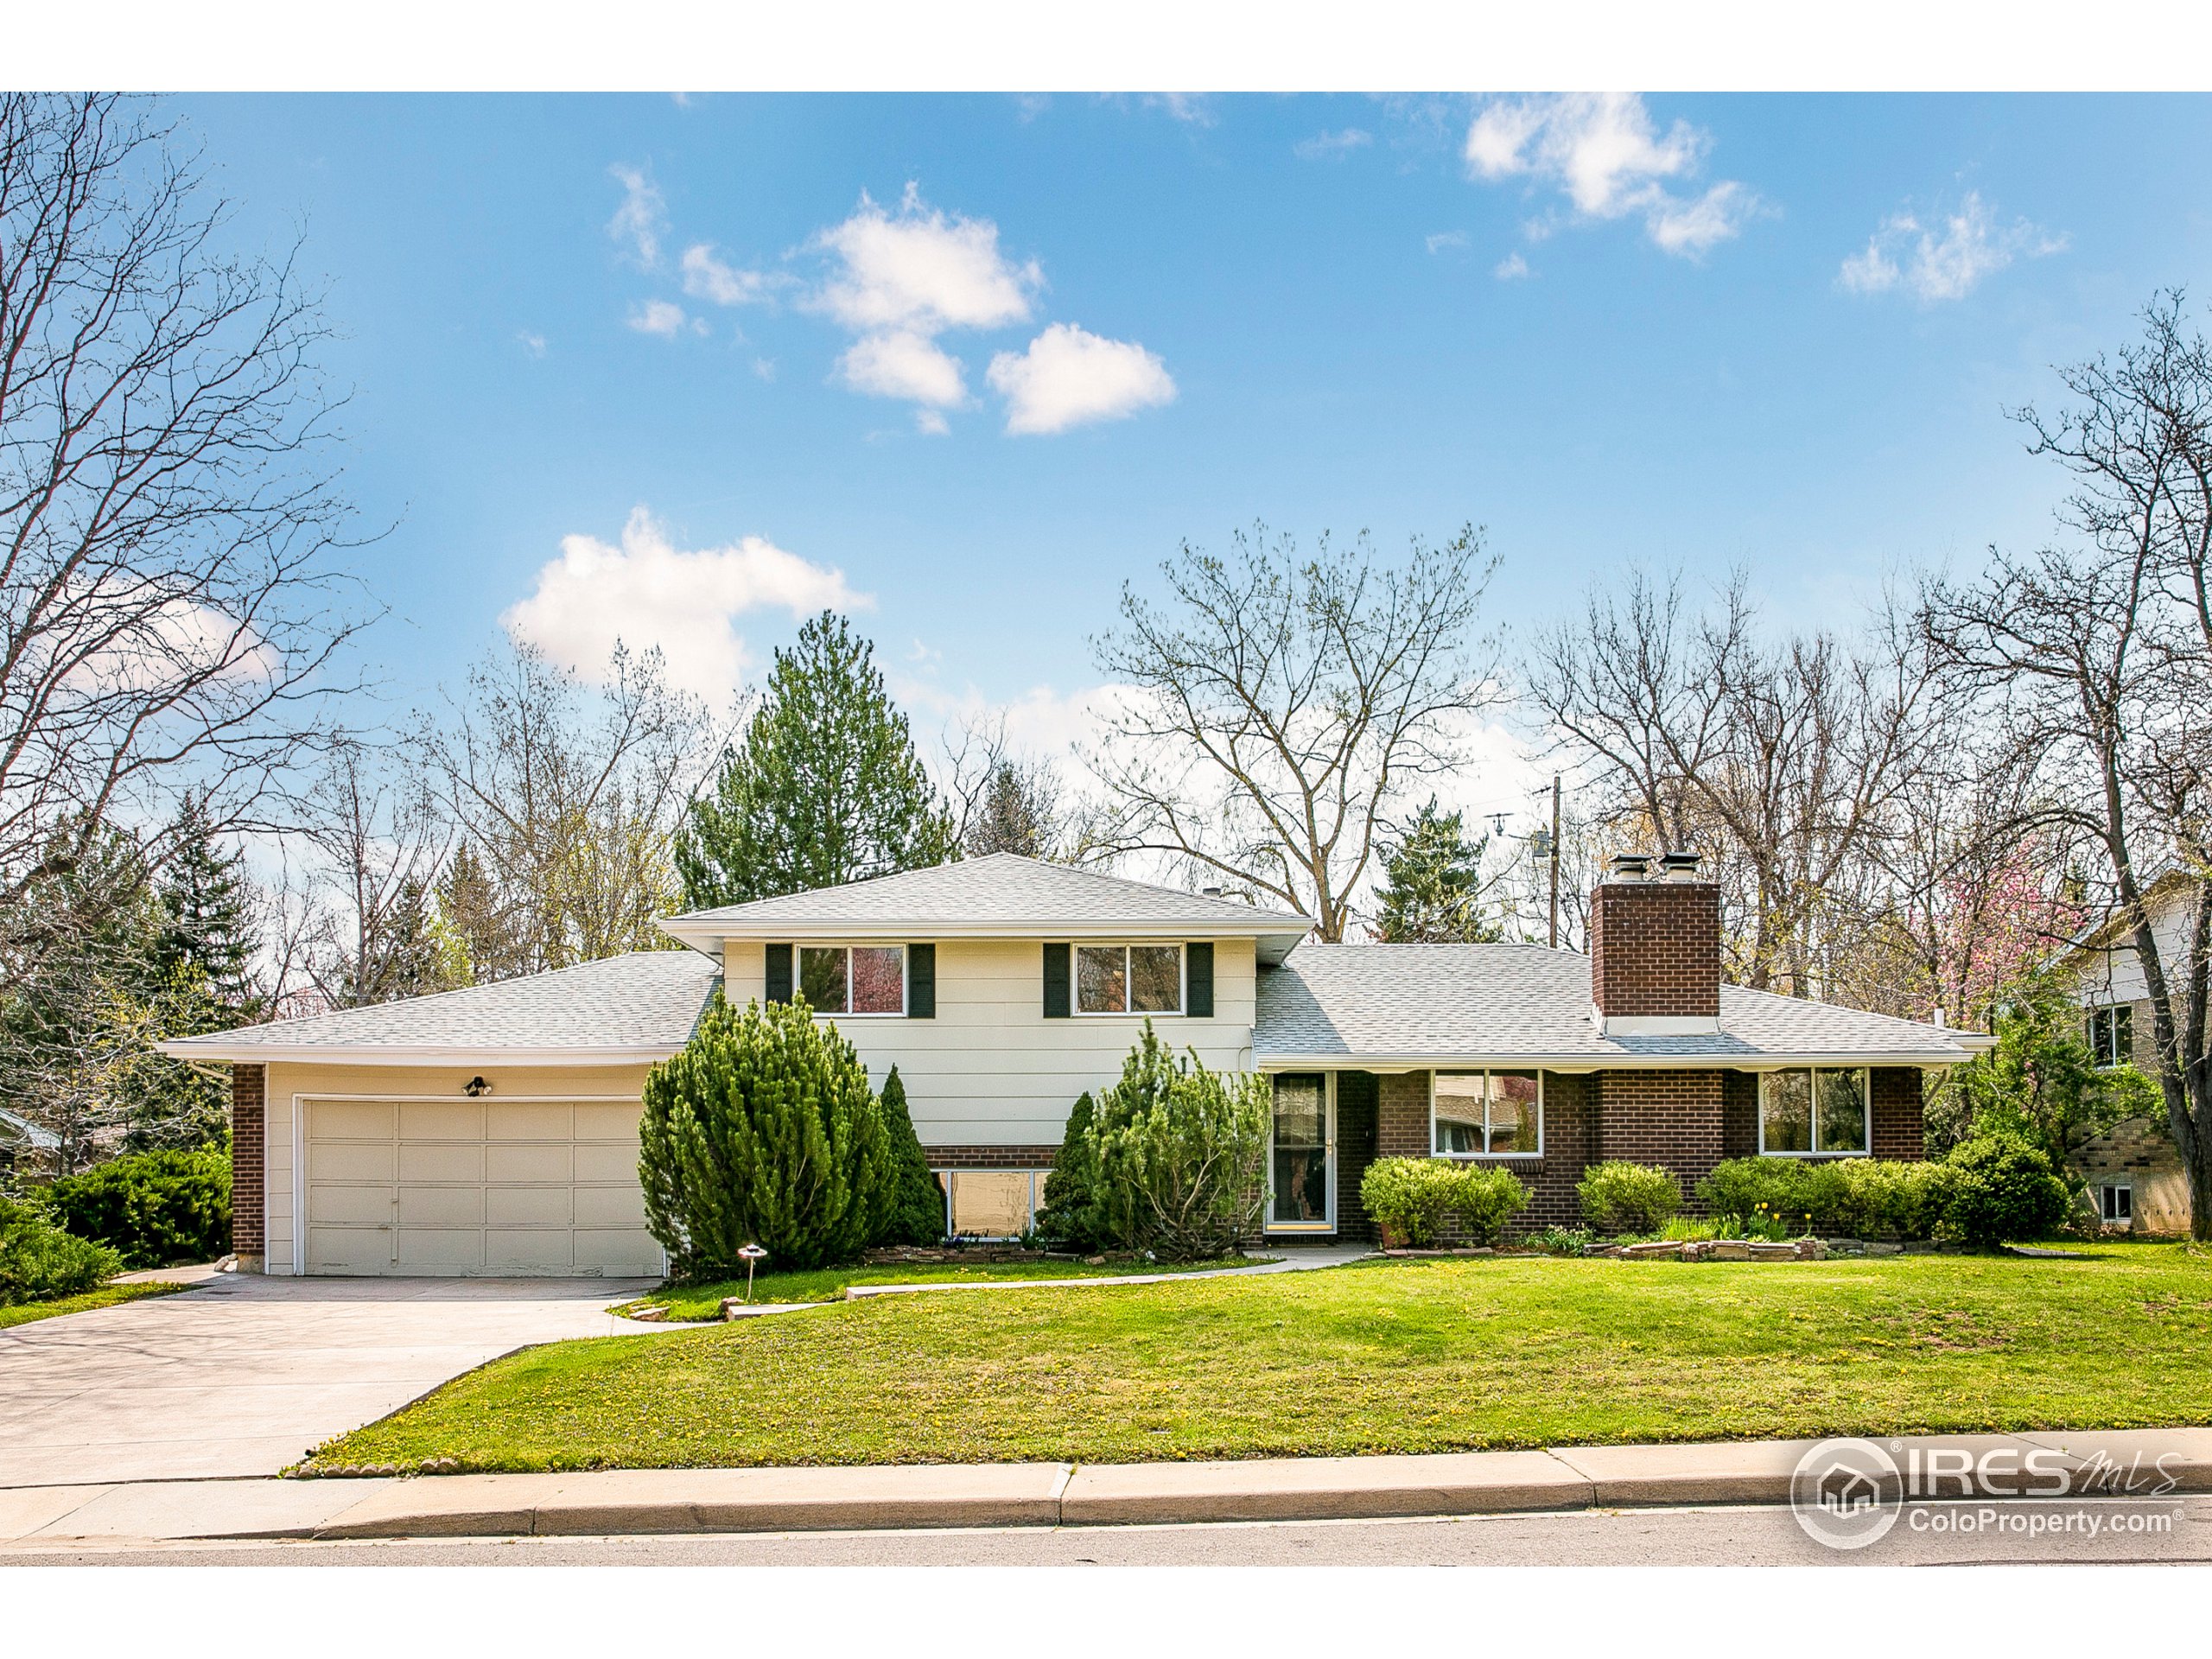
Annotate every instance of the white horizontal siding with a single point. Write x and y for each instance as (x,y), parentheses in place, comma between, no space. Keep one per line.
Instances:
(991,1069)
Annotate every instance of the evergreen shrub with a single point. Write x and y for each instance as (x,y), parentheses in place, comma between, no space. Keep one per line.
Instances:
(1181,1152)
(153,1209)
(762,1130)
(1624,1197)
(915,1214)
(39,1261)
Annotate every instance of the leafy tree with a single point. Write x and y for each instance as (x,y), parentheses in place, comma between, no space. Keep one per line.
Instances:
(209,926)
(915,1212)
(762,1130)
(2040,1083)
(2003,1189)
(1072,1212)
(1433,887)
(825,787)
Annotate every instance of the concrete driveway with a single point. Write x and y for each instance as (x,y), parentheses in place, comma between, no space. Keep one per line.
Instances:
(241,1375)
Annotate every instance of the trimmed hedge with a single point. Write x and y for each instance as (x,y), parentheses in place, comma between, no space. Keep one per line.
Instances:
(1990,1189)
(153,1209)
(1411,1198)
(39,1261)
(1623,1198)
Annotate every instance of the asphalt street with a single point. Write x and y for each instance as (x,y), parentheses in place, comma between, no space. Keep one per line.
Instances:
(2172,1531)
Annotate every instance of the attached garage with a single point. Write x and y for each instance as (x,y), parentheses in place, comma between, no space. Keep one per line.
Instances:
(455,1187)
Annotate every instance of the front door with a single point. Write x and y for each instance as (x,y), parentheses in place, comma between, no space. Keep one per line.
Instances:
(1302,1164)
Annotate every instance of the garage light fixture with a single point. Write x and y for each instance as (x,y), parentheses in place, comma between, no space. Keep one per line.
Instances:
(474,1087)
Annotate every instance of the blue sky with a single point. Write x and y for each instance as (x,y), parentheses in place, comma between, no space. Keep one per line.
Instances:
(1705,331)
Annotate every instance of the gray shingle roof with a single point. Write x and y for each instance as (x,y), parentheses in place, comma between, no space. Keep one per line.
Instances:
(1003,890)
(1522,1003)
(646,1002)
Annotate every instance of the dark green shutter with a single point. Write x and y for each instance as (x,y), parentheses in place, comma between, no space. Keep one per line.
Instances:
(921,982)
(1056,981)
(1198,974)
(779,973)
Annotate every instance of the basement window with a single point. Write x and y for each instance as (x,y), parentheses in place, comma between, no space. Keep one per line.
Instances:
(850,979)
(1813,1112)
(2116,1204)
(991,1203)
(1486,1114)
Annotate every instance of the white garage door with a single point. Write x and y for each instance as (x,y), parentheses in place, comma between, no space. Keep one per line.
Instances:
(454,1187)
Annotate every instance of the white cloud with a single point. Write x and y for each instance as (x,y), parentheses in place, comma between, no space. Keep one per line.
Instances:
(1512,269)
(662,317)
(642,219)
(930,424)
(532,343)
(1069,376)
(920,271)
(1439,240)
(902,365)
(648,593)
(706,277)
(1947,263)
(1603,151)
(1195,108)
(1326,146)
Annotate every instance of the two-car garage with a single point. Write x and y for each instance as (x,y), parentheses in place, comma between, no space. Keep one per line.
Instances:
(454,1187)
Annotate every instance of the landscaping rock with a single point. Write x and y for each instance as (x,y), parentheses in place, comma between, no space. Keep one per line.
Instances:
(1657,1247)
(1761,1249)
(1877,1248)
(649,1313)
(1920,1246)
(1730,1250)
(1812,1250)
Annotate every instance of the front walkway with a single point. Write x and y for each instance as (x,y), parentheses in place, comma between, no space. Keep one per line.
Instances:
(240,1375)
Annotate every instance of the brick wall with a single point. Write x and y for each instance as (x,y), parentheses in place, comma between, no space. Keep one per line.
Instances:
(1670,1118)
(1899,1129)
(1358,1120)
(249,1141)
(1654,947)
(990,1157)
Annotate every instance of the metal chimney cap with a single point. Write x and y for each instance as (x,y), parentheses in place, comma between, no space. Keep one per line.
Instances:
(1680,867)
(1631,866)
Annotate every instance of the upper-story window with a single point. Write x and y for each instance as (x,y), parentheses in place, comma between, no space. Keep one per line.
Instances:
(2112,1034)
(1128,979)
(1813,1112)
(849,979)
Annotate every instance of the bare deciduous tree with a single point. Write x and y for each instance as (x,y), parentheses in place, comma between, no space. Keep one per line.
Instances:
(570,796)
(168,607)
(377,841)
(1001,803)
(1277,707)
(2094,659)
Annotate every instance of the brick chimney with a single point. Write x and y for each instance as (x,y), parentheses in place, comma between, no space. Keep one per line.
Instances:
(1655,949)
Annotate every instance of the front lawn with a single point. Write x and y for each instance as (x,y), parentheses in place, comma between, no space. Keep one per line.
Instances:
(106,1296)
(830,1284)
(1420,1356)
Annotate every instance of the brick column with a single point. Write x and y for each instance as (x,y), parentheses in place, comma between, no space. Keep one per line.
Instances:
(249,1191)
(1402,1114)
(1899,1128)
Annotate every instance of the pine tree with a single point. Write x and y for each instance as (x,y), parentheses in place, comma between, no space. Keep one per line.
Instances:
(1072,1214)
(475,926)
(209,924)
(1433,884)
(916,1212)
(825,788)
(762,1130)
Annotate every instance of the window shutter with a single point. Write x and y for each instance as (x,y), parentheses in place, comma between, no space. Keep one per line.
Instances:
(1197,975)
(1056,981)
(921,982)
(779,973)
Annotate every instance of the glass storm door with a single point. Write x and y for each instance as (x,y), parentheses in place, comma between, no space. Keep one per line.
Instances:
(1302,1172)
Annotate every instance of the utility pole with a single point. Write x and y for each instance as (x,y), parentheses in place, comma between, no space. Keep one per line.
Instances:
(1555,934)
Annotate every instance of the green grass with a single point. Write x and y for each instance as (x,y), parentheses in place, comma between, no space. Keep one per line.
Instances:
(106,1296)
(830,1284)
(1403,1356)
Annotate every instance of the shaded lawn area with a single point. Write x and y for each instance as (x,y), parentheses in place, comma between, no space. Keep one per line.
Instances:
(1430,1355)
(830,1284)
(106,1296)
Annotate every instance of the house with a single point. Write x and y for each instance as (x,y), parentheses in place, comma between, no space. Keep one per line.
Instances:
(494,1129)
(2134,1171)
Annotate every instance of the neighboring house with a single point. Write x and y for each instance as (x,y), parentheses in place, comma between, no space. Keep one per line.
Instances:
(2134,1171)
(494,1129)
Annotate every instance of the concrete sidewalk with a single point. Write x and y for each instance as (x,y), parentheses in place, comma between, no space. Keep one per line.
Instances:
(677,1501)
